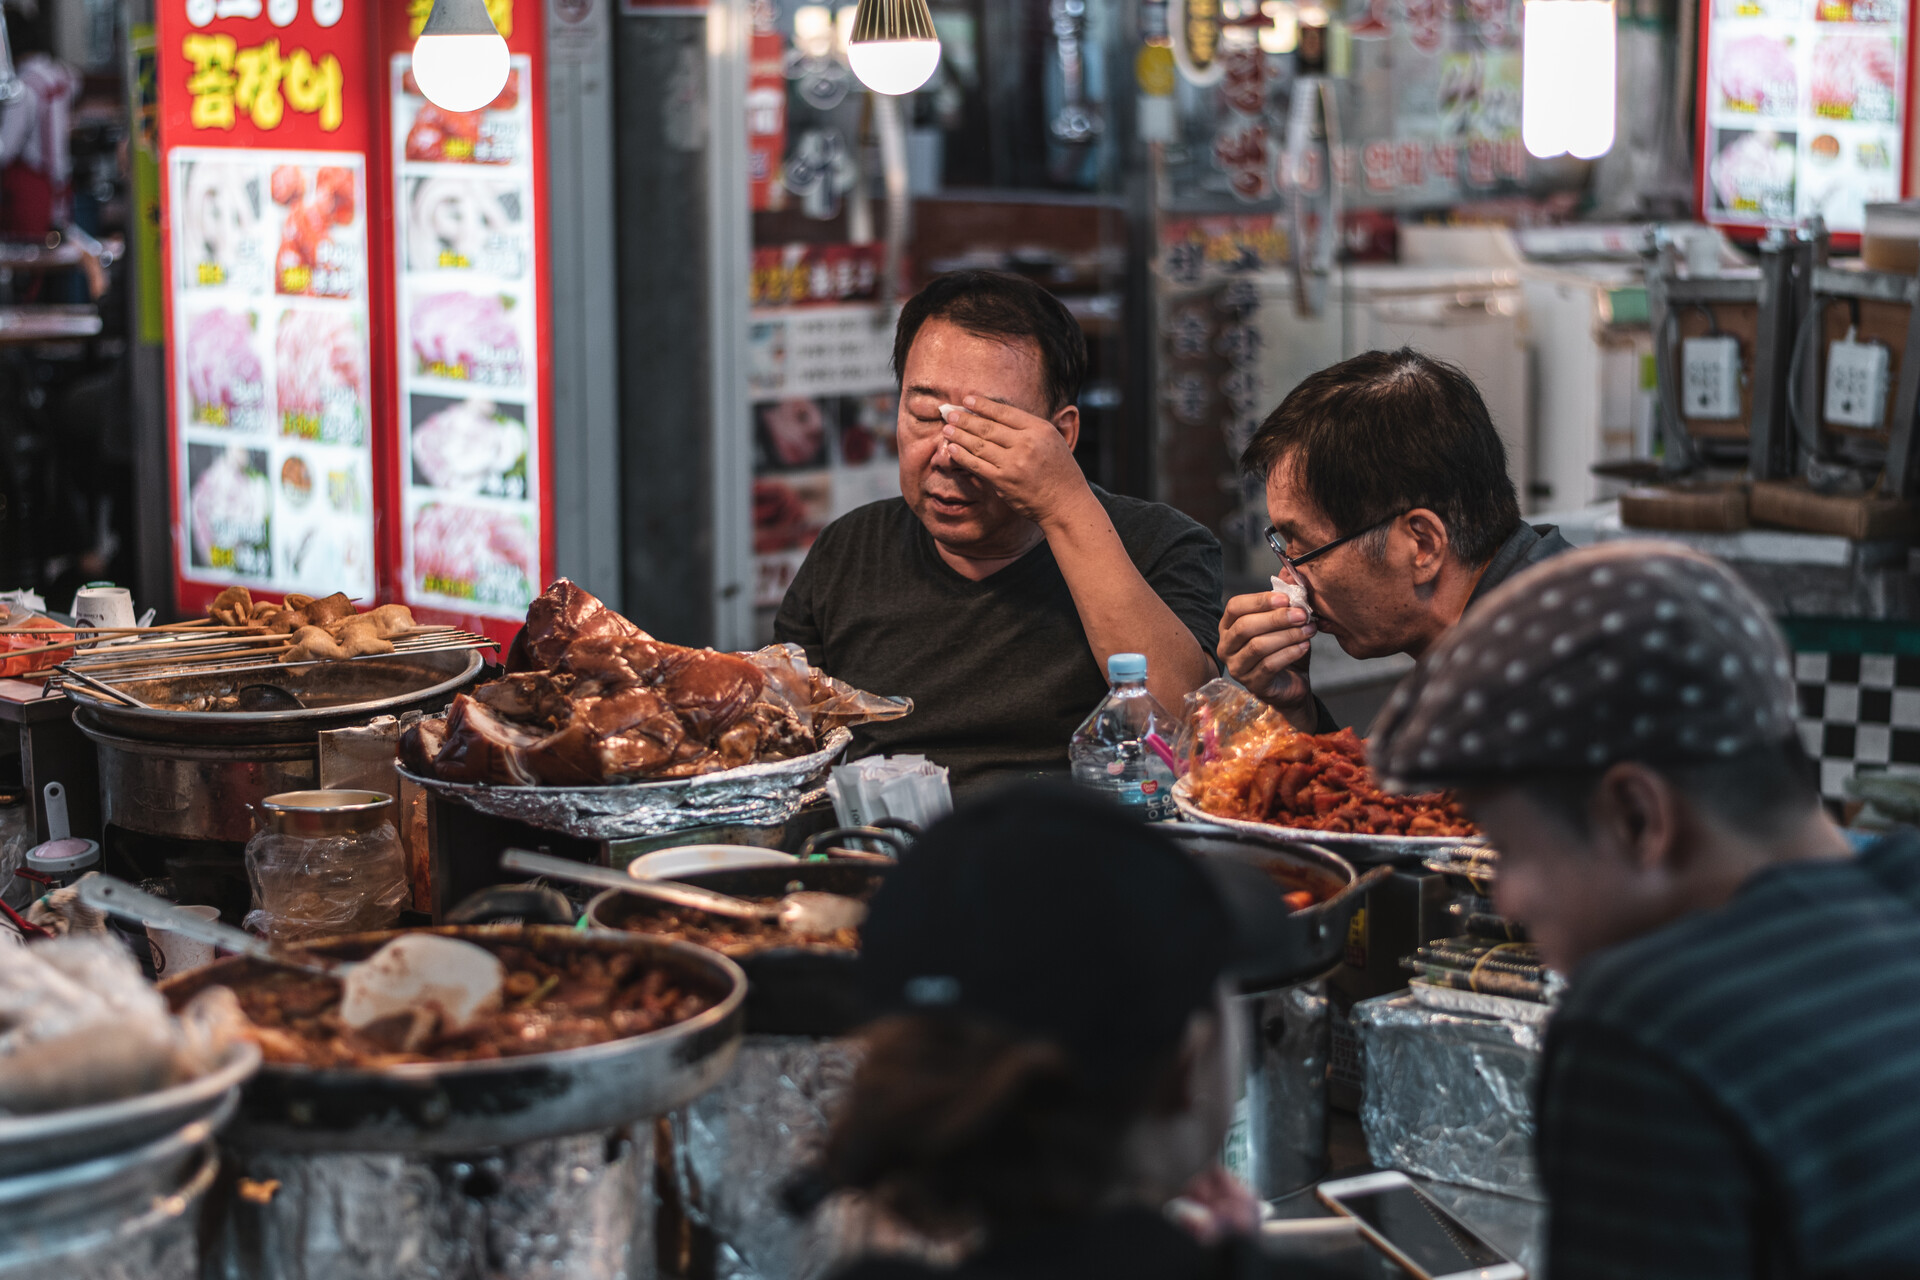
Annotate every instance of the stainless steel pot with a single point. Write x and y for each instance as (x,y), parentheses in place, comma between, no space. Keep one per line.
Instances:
(469,1106)
(335,694)
(198,775)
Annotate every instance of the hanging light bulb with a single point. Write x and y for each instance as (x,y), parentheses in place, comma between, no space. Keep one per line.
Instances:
(893,48)
(460,61)
(1566,78)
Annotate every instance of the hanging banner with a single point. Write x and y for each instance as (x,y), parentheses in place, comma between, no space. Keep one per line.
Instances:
(472,395)
(264,132)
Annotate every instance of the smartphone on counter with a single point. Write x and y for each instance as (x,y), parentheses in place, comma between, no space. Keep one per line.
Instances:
(1414,1231)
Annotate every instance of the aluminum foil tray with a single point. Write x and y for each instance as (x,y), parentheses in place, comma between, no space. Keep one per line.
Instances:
(752,795)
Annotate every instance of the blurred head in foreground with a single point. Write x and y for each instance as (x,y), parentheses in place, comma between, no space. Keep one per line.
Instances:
(1053,1039)
(1619,721)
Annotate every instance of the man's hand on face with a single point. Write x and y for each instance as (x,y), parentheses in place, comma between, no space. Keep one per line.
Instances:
(1264,642)
(1024,457)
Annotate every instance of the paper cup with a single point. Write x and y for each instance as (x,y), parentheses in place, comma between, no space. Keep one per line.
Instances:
(175,953)
(103,607)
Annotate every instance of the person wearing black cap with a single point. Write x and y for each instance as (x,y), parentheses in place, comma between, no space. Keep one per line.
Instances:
(1054,1061)
(1732,1082)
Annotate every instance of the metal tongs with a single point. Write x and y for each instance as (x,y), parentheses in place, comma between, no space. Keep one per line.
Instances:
(805,912)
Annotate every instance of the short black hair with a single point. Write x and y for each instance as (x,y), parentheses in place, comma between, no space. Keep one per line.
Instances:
(1752,791)
(1388,431)
(1010,308)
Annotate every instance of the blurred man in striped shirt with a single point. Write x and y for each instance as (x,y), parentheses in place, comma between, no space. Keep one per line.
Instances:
(1732,1083)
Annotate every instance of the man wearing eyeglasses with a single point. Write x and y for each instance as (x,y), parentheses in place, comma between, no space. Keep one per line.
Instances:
(1391,506)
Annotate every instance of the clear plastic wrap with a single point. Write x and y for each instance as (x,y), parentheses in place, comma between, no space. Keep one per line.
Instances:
(318,886)
(79,1025)
(1221,716)
(16,837)
(1449,1096)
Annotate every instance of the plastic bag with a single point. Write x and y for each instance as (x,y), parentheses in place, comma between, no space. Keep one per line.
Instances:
(80,1026)
(16,837)
(820,702)
(318,886)
(1224,719)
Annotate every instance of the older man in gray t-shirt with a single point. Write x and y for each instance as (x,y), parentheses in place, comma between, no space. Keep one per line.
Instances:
(994,589)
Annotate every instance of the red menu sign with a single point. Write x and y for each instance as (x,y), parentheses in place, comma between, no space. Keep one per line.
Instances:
(466,242)
(265,130)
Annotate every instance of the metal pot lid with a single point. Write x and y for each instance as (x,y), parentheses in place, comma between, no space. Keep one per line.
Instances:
(335,694)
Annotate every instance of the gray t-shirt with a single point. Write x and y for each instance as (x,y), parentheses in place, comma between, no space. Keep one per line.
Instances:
(999,670)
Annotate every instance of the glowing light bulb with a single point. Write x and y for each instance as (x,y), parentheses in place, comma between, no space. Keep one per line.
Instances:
(460,61)
(893,47)
(1567,78)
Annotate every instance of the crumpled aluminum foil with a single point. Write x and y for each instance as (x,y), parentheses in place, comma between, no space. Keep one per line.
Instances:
(752,795)
(1450,1097)
(572,1208)
(736,1147)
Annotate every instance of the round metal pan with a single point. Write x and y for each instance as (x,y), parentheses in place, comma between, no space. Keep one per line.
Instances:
(1292,946)
(30,1143)
(469,1106)
(801,990)
(336,694)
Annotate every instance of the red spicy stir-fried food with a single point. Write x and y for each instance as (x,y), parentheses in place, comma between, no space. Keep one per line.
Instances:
(1320,782)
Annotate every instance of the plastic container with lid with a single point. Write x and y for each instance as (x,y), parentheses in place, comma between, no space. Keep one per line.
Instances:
(65,860)
(328,862)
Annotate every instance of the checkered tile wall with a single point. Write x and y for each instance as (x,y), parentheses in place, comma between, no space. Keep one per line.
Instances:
(1859,711)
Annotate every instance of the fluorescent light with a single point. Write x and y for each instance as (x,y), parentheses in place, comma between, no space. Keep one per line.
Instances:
(460,62)
(893,48)
(1567,78)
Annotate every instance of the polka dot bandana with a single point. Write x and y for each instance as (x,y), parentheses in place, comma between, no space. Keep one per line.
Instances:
(1625,651)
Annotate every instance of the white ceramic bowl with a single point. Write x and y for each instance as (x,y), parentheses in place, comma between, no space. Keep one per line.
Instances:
(666,864)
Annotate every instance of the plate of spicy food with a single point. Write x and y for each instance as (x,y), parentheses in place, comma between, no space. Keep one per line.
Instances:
(1275,780)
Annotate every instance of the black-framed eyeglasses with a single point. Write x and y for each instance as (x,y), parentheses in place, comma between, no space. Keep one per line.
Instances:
(1294,562)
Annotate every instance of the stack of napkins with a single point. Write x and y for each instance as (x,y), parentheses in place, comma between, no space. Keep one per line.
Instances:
(908,787)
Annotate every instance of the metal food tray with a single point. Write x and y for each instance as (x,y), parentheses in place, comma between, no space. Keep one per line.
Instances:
(1350,841)
(73,1134)
(752,795)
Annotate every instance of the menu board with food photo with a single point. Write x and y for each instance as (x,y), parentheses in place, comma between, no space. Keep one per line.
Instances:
(1804,110)
(270,321)
(469,393)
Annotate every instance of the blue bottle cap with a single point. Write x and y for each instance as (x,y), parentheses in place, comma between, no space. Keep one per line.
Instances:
(1126,666)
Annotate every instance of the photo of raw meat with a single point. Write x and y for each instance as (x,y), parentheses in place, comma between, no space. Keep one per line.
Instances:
(470,446)
(790,511)
(466,337)
(467,553)
(488,136)
(1757,77)
(466,222)
(319,256)
(1856,77)
(226,386)
(320,368)
(1751,174)
(229,508)
(217,218)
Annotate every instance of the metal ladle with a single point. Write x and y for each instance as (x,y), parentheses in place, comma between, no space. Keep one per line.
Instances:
(807,912)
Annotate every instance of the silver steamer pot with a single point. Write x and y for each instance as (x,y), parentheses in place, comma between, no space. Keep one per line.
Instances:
(187,774)
(1278,1143)
(490,1170)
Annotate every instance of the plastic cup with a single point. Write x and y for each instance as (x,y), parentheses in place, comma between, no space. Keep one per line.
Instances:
(176,953)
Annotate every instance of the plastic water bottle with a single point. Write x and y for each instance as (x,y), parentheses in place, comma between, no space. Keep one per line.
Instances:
(1117,750)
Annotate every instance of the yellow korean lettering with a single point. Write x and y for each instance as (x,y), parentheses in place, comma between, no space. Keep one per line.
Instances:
(259,90)
(501,11)
(212,83)
(315,87)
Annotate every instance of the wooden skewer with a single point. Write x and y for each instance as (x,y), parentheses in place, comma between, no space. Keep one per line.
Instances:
(170,629)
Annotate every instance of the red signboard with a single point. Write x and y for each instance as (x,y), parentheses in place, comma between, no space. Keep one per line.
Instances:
(265,129)
(463,239)
(357,312)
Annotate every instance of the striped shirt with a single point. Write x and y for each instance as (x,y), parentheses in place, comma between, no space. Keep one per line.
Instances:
(1738,1094)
